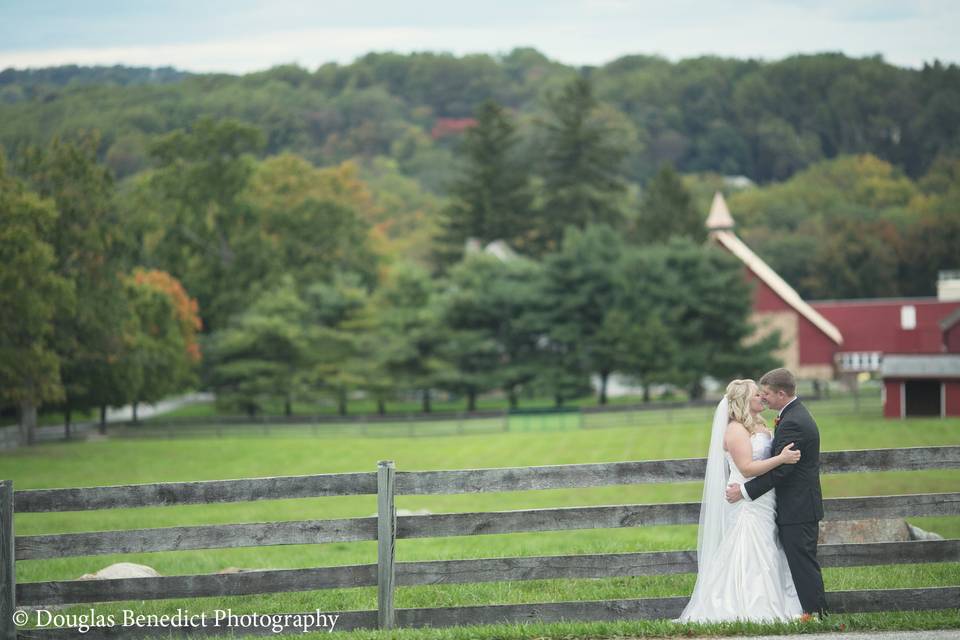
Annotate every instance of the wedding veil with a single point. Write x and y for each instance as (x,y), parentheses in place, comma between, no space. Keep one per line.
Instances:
(714,506)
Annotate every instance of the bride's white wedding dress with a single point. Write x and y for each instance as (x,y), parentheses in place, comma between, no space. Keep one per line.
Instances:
(748,579)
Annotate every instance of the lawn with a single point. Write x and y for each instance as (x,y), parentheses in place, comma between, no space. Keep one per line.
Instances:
(294,452)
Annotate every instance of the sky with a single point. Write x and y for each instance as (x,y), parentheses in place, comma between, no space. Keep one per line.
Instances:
(238,36)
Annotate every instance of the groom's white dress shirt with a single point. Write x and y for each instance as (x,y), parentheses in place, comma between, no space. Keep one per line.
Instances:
(743,487)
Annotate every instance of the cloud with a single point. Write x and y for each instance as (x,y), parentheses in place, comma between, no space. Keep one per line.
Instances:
(576,32)
(308,47)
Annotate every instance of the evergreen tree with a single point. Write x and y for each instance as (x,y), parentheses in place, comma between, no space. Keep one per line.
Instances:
(487,307)
(339,334)
(491,199)
(582,283)
(667,210)
(263,353)
(709,304)
(410,332)
(582,166)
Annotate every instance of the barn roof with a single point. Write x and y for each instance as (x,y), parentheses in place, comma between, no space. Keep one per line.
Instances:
(719,217)
(768,276)
(920,366)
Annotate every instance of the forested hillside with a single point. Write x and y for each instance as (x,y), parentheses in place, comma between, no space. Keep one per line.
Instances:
(765,120)
(299,236)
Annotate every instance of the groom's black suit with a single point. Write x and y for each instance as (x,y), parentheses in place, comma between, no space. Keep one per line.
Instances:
(799,502)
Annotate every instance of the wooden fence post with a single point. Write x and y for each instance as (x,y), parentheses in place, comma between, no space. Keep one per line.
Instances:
(8,630)
(386,539)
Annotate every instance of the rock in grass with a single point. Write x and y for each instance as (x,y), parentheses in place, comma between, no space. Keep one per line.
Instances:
(873,530)
(122,570)
(916,533)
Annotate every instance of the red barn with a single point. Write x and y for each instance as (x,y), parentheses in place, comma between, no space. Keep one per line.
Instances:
(897,325)
(811,339)
(828,338)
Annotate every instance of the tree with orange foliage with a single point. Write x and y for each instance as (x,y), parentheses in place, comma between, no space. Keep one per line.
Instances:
(161,337)
(186,308)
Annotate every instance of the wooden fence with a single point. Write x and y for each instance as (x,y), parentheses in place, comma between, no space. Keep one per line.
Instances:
(386,527)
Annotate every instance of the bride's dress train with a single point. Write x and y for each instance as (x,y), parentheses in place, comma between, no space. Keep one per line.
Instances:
(748,579)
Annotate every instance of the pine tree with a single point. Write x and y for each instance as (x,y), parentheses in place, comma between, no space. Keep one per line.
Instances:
(582,166)
(667,210)
(491,199)
(581,284)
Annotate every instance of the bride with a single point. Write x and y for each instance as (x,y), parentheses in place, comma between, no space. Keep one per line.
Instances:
(743,572)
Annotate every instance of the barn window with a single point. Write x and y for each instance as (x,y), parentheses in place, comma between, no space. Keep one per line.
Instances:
(908,317)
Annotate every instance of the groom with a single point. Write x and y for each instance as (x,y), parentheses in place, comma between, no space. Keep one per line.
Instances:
(799,501)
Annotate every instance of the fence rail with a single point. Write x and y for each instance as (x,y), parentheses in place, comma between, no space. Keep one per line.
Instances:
(563,476)
(386,527)
(606,565)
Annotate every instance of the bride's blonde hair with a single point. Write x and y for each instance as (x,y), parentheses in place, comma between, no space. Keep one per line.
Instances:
(738,395)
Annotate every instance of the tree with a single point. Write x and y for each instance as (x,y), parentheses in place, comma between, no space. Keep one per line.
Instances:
(581,284)
(312,220)
(90,249)
(582,166)
(163,351)
(338,332)
(491,199)
(778,150)
(854,259)
(761,119)
(210,239)
(487,307)
(409,331)
(930,243)
(838,228)
(264,353)
(667,210)
(635,339)
(406,215)
(32,295)
(709,304)
(185,308)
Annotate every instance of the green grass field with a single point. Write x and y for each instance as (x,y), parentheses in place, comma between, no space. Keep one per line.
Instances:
(291,452)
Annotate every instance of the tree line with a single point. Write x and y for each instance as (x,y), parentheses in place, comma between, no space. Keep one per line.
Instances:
(764,120)
(856,151)
(264,277)
(81,325)
(851,227)
(228,262)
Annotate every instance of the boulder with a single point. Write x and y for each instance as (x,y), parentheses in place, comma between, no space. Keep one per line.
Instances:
(873,530)
(122,570)
(916,533)
(859,531)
